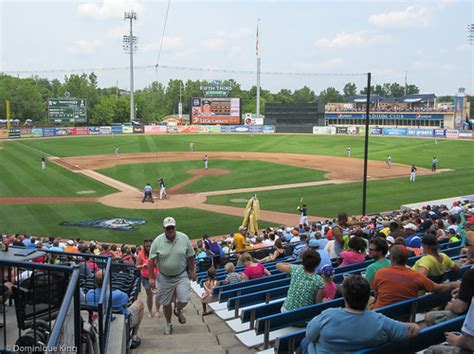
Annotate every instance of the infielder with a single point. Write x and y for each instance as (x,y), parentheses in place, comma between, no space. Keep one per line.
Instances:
(348,151)
(162,189)
(117,152)
(206,161)
(43,163)
(303,214)
(434,164)
(191,147)
(389,161)
(412,173)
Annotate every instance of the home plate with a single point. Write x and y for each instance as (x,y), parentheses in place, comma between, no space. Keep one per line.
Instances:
(88,191)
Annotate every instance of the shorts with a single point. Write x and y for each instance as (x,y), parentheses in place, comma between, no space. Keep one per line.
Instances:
(133,312)
(168,285)
(436,317)
(145,283)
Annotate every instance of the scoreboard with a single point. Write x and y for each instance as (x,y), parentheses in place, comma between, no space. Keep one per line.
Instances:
(67,109)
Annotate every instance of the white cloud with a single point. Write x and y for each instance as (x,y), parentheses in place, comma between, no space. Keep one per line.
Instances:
(85,46)
(235,51)
(412,16)
(463,47)
(355,39)
(118,31)
(222,38)
(382,72)
(168,43)
(109,8)
(332,63)
(442,4)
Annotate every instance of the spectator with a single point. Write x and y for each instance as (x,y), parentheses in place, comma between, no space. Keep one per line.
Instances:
(119,304)
(399,283)
(209,286)
(127,256)
(174,253)
(70,247)
(333,331)
(356,252)
(225,247)
(378,249)
(339,231)
(330,287)
(300,248)
(278,253)
(232,277)
(434,263)
(239,240)
(258,243)
(306,286)
(142,264)
(466,339)
(314,245)
(252,270)
(200,252)
(411,238)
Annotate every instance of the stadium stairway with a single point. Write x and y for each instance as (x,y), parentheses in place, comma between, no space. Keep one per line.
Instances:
(207,334)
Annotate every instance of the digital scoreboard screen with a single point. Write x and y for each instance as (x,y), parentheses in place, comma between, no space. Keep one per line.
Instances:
(223,111)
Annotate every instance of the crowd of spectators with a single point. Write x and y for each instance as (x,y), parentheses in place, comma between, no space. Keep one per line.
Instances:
(387,108)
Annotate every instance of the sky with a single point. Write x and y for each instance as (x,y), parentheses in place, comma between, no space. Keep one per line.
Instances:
(427,40)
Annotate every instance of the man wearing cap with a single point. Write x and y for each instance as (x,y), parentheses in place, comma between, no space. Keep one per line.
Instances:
(411,238)
(412,173)
(174,254)
(240,240)
(434,264)
(206,161)
(315,245)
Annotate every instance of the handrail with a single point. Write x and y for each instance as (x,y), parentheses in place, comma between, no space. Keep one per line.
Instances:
(63,312)
(105,308)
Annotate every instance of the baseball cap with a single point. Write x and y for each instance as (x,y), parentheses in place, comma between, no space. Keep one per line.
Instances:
(169,221)
(70,242)
(327,270)
(313,243)
(410,226)
(390,239)
(456,203)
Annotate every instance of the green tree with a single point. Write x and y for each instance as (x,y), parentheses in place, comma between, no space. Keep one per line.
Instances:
(304,95)
(396,90)
(103,112)
(350,89)
(330,95)
(412,89)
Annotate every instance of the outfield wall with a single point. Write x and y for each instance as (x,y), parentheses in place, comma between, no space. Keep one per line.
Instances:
(19,133)
(411,132)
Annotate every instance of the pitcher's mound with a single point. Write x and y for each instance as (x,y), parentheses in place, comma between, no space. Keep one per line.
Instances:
(211,171)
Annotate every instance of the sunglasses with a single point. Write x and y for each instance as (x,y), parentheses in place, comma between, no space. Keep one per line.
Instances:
(169,227)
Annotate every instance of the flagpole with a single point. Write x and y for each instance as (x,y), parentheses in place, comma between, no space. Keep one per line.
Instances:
(258,71)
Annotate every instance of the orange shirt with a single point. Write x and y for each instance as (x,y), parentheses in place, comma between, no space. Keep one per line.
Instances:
(71,249)
(398,283)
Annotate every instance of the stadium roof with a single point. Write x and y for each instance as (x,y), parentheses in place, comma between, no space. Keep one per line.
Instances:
(415,98)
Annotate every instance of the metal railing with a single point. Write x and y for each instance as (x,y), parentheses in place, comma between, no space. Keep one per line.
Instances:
(105,308)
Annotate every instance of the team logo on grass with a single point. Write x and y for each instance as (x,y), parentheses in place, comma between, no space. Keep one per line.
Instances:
(109,223)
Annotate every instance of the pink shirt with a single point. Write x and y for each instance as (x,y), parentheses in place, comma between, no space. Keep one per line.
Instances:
(253,272)
(329,290)
(350,257)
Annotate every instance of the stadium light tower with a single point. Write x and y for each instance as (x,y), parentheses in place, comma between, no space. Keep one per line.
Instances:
(130,46)
(470,33)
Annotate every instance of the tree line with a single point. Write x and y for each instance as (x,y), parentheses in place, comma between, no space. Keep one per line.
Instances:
(28,97)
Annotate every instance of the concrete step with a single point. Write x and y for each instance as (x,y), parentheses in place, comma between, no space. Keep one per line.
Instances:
(182,342)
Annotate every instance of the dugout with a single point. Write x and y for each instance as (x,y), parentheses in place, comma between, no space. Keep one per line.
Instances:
(294,118)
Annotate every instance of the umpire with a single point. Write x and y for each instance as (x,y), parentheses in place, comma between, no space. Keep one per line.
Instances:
(148,193)
(173,253)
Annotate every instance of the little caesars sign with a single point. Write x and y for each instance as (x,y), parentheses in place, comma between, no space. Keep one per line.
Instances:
(215,88)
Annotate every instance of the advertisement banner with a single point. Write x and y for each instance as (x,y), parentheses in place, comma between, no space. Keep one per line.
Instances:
(79,131)
(155,129)
(465,134)
(49,131)
(25,133)
(324,130)
(341,130)
(14,134)
(395,131)
(452,134)
(37,132)
(268,129)
(138,129)
(94,130)
(3,134)
(188,129)
(211,110)
(209,129)
(384,116)
(61,131)
(105,130)
(419,132)
(439,133)
(127,129)
(117,129)
(172,129)
(458,111)
(353,130)
(376,131)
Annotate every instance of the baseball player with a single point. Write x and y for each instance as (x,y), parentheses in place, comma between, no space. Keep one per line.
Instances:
(348,151)
(412,173)
(117,152)
(389,161)
(303,214)
(206,161)
(434,164)
(43,163)
(191,147)
(162,189)
(148,193)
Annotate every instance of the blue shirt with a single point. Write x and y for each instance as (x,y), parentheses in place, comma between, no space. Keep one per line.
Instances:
(337,330)
(299,249)
(148,188)
(119,300)
(325,259)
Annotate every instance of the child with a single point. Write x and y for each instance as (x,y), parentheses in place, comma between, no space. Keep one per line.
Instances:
(232,276)
(209,285)
(356,252)
(330,287)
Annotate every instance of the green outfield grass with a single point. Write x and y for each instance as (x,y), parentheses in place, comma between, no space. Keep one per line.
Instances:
(21,176)
(450,153)
(329,200)
(242,174)
(43,220)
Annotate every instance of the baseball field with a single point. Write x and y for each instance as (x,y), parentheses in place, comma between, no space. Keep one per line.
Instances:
(85,181)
